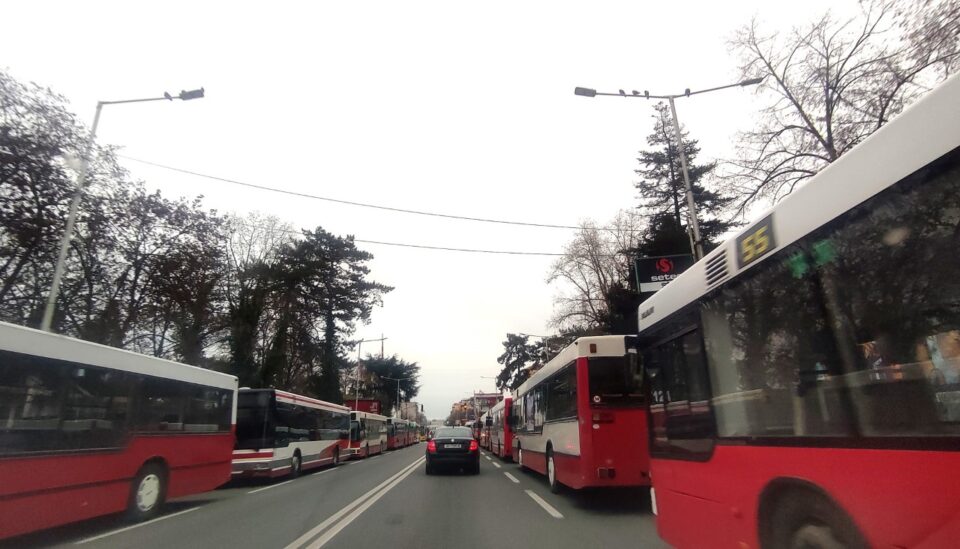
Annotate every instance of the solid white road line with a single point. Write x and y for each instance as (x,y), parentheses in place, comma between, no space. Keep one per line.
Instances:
(497,465)
(513,478)
(271,486)
(546,506)
(339,514)
(334,530)
(158,519)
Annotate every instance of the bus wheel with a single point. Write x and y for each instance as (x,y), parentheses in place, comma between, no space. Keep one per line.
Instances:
(552,472)
(803,519)
(520,457)
(336,457)
(147,492)
(295,465)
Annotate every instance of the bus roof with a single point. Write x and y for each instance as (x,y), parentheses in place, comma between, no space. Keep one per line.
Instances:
(612,345)
(301,400)
(924,132)
(28,341)
(366,415)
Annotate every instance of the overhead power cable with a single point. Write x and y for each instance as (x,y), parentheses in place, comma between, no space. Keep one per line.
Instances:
(351,202)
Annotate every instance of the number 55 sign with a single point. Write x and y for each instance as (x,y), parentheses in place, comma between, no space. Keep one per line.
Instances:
(756,241)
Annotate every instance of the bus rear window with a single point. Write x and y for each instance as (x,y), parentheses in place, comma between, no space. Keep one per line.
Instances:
(253,429)
(615,381)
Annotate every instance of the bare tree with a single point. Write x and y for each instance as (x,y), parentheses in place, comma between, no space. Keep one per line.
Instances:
(832,83)
(594,263)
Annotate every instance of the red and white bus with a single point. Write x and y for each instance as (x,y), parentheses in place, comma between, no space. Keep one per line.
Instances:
(806,373)
(89,430)
(282,434)
(368,434)
(501,435)
(582,418)
(398,433)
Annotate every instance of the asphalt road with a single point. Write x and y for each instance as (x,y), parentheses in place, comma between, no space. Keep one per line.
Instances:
(384,502)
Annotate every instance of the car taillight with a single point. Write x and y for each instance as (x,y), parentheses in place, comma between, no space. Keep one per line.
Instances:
(474,446)
(432,447)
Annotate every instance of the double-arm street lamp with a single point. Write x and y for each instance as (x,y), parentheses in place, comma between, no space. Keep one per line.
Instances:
(398,380)
(691,204)
(356,382)
(78,194)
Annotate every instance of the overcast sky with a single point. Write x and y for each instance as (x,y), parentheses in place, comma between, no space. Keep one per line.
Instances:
(454,107)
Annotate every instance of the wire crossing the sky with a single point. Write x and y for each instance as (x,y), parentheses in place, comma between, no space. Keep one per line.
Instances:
(351,202)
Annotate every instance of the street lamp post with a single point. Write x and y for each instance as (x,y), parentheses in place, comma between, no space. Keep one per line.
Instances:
(691,203)
(398,380)
(356,381)
(47,321)
(546,341)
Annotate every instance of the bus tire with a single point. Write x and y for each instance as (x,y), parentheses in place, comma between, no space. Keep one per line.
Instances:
(148,491)
(806,518)
(552,472)
(296,463)
(520,458)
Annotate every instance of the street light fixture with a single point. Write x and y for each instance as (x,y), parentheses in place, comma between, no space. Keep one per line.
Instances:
(47,321)
(691,204)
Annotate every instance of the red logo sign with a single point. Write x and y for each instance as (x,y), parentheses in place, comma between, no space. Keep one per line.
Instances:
(664,265)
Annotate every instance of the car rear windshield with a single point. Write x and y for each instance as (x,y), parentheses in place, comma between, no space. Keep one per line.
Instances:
(454,432)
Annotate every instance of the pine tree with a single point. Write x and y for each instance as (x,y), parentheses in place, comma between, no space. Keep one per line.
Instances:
(663,192)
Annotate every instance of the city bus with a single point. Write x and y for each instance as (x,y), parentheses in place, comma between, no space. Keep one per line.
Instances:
(805,375)
(368,434)
(89,430)
(398,435)
(501,435)
(582,420)
(283,434)
(484,423)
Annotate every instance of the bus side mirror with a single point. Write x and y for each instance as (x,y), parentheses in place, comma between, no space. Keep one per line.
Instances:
(489,422)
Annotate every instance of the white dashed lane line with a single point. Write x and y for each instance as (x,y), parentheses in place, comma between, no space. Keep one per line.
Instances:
(546,506)
(497,465)
(513,478)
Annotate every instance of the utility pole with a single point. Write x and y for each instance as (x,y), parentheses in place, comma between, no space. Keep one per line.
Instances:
(356,382)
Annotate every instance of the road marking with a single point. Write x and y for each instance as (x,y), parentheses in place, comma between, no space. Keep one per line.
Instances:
(488,458)
(513,478)
(302,540)
(158,519)
(497,465)
(333,531)
(353,463)
(546,506)
(271,486)
(376,456)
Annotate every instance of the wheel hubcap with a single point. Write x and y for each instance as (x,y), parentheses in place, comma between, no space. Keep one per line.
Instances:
(551,472)
(296,464)
(148,492)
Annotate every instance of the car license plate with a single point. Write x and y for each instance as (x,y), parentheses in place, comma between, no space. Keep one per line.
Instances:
(453,446)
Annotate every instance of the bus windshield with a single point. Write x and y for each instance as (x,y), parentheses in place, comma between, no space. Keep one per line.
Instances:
(615,381)
(253,430)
